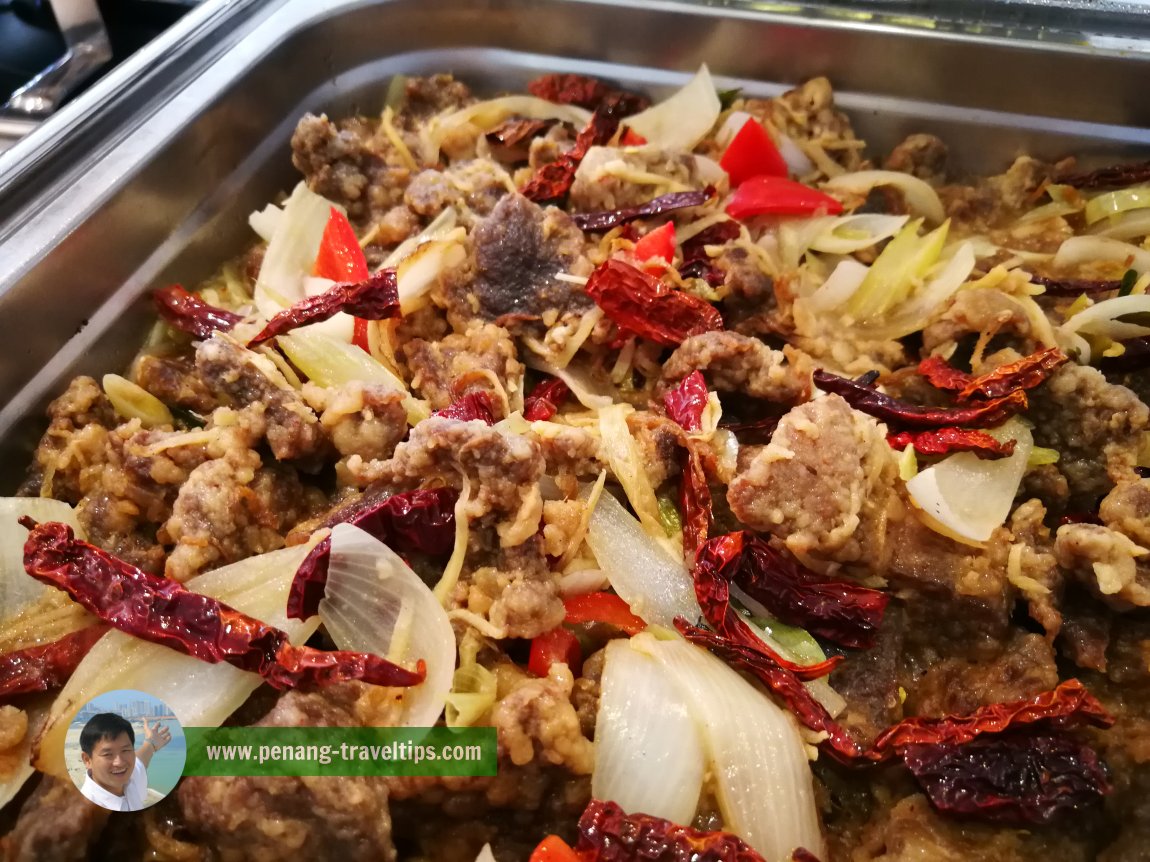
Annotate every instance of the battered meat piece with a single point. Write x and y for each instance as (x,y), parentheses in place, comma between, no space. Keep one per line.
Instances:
(56,824)
(247,378)
(1096,426)
(519,249)
(424,97)
(503,469)
(996,200)
(515,589)
(267,819)
(365,419)
(922,156)
(743,365)
(174,381)
(1106,561)
(958,685)
(869,682)
(232,508)
(482,358)
(1127,509)
(1033,567)
(823,483)
(980,311)
(472,187)
(537,721)
(659,441)
(77,427)
(751,306)
(351,163)
(603,181)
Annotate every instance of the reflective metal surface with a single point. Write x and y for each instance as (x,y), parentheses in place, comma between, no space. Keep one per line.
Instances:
(165,196)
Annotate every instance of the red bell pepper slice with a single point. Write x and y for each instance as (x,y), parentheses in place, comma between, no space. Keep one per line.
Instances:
(631,138)
(764,195)
(554,849)
(557,645)
(752,153)
(657,244)
(603,608)
(341,259)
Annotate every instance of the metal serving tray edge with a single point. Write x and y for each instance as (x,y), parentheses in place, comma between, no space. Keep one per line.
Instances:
(169,201)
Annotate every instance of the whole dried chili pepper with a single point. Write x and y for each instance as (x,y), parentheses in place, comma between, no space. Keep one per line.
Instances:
(646,306)
(694,500)
(1026,373)
(422,521)
(696,262)
(586,92)
(188,313)
(474,405)
(608,834)
(608,219)
(944,441)
(376,298)
(841,612)
(985,415)
(163,611)
(687,401)
(1067,705)
(714,594)
(1075,286)
(1112,177)
(942,375)
(552,181)
(544,400)
(48,666)
(1015,778)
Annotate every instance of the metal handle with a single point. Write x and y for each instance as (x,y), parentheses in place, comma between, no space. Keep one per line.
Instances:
(88,50)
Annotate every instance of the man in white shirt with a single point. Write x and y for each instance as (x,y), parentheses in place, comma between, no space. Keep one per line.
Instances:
(117,770)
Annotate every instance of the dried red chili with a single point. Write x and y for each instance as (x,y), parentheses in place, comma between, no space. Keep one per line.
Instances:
(944,441)
(553,180)
(586,92)
(942,375)
(48,666)
(474,405)
(836,610)
(516,132)
(713,591)
(163,611)
(984,415)
(545,399)
(696,262)
(376,298)
(422,521)
(1076,286)
(665,203)
(687,401)
(694,500)
(1017,778)
(1068,705)
(188,313)
(645,306)
(608,834)
(1026,373)
(1113,177)
(753,431)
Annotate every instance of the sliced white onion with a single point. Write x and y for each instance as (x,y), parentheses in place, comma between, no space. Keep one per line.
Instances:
(374,603)
(682,120)
(758,762)
(421,271)
(488,114)
(264,222)
(798,163)
(920,197)
(587,392)
(839,287)
(1095,249)
(200,694)
(649,756)
(583,581)
(1101,318)
(340,326)
(291,251)
(709,171)
(970,497)
(18,589)
(1129,225)
(642,571)
(872,229)
(731,127)
(917,312)
(485,855)
(442,225)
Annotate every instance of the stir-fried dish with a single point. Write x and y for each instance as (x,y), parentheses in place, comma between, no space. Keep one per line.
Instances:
(772,498)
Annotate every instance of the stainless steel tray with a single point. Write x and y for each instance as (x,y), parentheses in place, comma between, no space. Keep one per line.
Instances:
(168,202)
